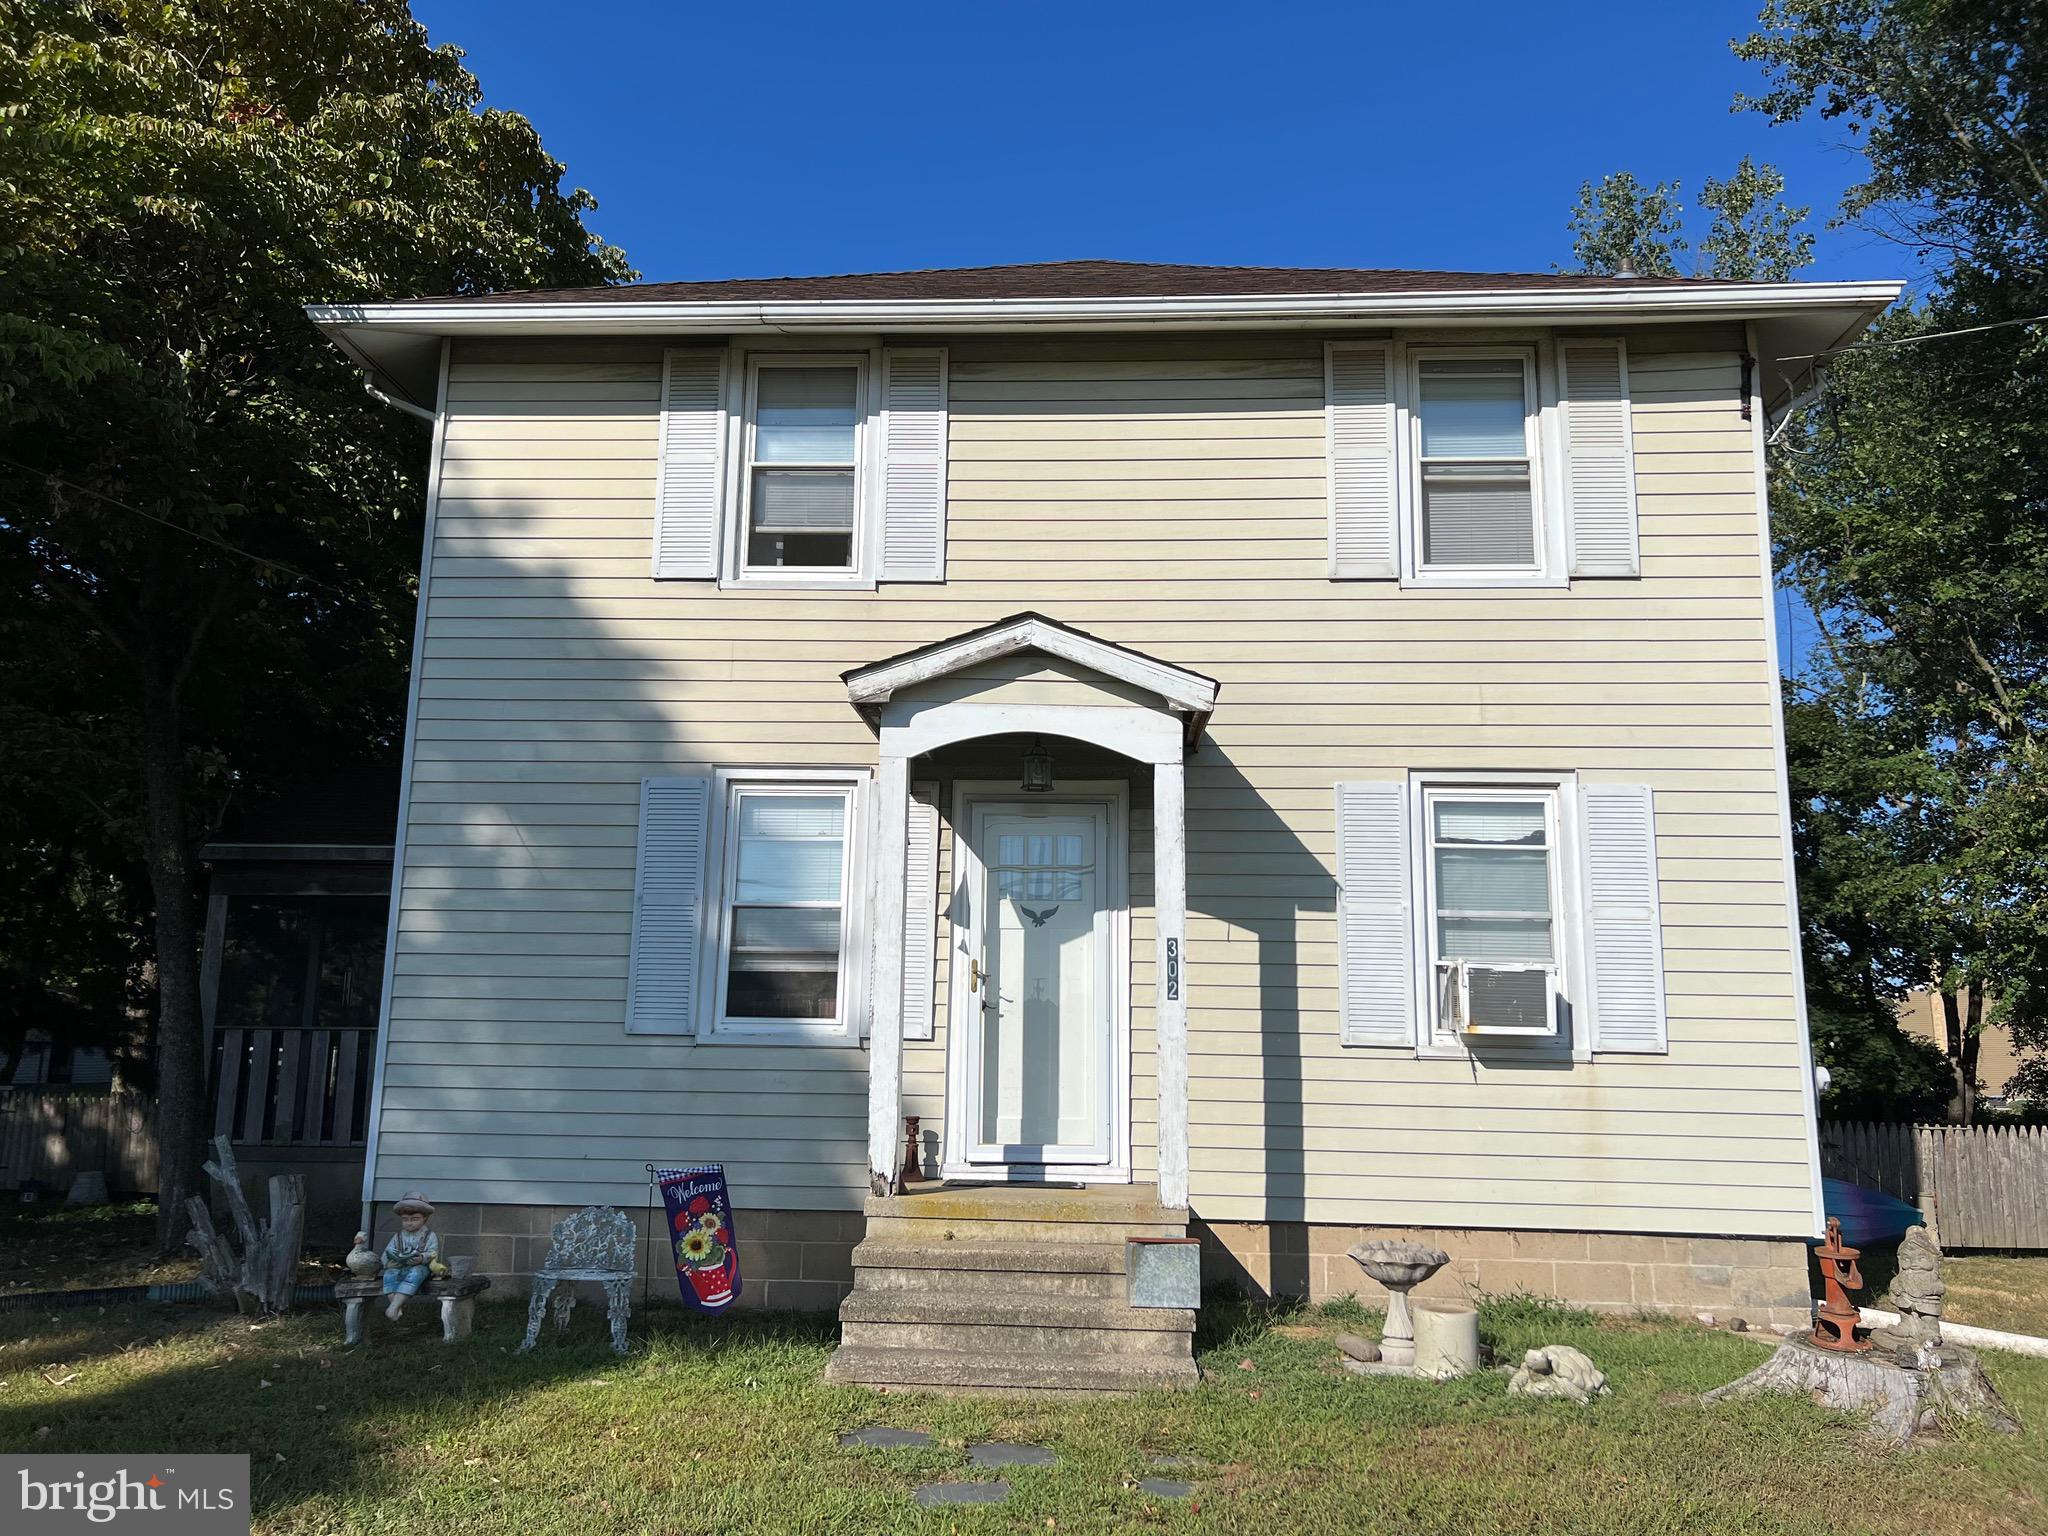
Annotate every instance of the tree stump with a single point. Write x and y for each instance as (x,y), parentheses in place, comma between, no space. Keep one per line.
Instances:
(1903,1402)
(264,1276)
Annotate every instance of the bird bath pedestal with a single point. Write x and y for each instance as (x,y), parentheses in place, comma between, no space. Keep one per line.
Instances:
(1399,1266)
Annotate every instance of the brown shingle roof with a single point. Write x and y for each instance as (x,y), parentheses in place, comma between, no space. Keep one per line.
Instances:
(1090,280)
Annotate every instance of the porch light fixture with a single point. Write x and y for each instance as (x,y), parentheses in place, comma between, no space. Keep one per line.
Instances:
(1037,768)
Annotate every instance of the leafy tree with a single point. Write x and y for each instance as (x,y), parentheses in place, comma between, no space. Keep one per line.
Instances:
(1755,237)
(1623,224)
(207,528)
(1944,98)
(1911,505)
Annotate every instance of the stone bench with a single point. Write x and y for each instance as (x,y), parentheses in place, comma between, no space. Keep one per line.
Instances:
(457,1299)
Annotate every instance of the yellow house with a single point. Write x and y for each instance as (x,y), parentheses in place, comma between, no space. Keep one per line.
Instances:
(1271,753)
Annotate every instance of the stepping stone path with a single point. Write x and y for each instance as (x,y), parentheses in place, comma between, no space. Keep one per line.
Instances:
(998,1453)
(1003,1453)
(882,1437)
(931,1495)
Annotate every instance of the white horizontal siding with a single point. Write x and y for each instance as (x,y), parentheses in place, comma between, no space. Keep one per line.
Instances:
(1165,493)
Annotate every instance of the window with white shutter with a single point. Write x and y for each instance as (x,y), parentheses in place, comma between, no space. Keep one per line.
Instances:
(787,896)
(1600,477)
(1473,477)
(1375,968)
(801,498)
(1624,928)
(1493,874)
(668,906)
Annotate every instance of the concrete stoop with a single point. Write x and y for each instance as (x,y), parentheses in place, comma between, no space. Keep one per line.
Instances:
(1009,1290)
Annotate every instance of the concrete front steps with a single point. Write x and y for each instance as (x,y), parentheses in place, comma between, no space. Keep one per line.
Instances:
(1009,1289)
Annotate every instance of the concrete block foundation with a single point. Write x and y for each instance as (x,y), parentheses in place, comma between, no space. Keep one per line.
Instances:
(803,1261)
(1762,1280)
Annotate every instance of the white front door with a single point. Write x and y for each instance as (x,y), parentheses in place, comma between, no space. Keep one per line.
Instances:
(1037,1014)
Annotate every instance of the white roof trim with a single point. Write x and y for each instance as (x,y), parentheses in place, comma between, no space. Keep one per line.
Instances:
(870,687)
(626,316)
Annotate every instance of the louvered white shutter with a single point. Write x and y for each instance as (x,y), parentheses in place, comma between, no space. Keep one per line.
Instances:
(668,906)
(1600,474)
(689,496)
(1624,937)
(913,464)
(920,912)
(1359,405)
(1376,974)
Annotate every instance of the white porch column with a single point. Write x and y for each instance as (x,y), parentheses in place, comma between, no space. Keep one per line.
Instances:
(1170,1007)
(885,982)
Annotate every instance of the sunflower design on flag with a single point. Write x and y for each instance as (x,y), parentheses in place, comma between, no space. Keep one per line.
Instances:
(700,1249)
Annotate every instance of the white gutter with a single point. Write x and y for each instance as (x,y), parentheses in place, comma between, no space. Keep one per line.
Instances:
(626,316)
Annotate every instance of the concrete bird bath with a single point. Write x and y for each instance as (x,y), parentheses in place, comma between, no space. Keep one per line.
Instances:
(1400,1266)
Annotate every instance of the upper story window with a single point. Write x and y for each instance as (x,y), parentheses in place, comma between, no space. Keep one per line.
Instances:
(1475,434)
(801,508)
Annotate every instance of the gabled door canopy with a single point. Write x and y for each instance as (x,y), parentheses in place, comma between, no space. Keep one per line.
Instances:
(1187,694)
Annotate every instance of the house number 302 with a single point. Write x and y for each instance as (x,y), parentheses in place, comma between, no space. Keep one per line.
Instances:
(1173,970)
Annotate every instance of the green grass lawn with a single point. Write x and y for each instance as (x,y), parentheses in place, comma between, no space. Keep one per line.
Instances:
(1997,1292)
(725,1427)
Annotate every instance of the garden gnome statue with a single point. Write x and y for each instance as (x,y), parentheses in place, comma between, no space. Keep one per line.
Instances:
(362,1263)
(1916,1292)
(413,1253)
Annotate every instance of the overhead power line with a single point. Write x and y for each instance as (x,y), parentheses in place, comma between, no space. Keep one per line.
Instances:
(1908,341)
(191,533)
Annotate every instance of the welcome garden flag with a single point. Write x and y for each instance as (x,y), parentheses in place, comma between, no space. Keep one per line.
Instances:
(700,1229)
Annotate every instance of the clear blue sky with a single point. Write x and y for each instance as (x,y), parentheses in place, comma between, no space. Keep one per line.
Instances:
(728,140)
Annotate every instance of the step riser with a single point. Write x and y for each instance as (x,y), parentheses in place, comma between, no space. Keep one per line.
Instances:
(1030,1202)
(980,1282)
(924,1230)
(1000,1340)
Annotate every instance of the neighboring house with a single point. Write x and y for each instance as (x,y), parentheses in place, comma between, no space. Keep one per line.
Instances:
(1921,1016)
(46,1063)
(299,900)
(1296,749)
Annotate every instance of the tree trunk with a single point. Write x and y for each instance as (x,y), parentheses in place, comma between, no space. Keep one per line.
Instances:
(1960,1046)
(180,1062)
(1973,1043)
(1904,1403)
(263,1276)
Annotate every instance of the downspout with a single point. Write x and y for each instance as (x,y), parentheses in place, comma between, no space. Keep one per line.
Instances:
(370,386)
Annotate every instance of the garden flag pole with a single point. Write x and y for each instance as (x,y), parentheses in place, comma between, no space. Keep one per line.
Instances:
(700,1232)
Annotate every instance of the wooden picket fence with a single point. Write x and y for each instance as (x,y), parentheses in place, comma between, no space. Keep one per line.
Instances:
(1985,1186)
(46,1137)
